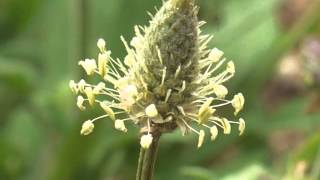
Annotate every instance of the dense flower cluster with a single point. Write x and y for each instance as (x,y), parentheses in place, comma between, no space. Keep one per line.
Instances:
(168,79)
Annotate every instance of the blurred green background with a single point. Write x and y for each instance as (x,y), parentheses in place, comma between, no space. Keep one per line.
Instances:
(275,45)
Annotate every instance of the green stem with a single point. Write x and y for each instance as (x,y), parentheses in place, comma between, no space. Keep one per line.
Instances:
(147,159)
(140,163)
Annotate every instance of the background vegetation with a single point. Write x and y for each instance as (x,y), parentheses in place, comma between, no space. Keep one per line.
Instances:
(271,42)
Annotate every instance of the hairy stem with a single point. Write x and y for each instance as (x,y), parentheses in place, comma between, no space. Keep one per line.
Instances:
(147,159)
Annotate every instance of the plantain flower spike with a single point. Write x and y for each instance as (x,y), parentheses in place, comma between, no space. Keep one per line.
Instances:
(169,79)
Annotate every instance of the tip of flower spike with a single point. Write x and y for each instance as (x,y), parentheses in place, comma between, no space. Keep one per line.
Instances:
(181,3)
(87,128)
(146,141)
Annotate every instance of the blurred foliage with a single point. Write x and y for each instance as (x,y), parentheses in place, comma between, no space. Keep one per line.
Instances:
(41,42)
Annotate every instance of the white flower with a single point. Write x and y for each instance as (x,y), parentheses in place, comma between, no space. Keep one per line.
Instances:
(119,125)
(89,65)
(151,111)
(215,55)
(146,141)
(87,128)
(238,102)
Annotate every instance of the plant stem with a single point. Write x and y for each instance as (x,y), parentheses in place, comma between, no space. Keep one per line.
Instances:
(147,159)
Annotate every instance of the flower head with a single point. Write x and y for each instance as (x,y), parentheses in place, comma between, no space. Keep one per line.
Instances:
(169,79)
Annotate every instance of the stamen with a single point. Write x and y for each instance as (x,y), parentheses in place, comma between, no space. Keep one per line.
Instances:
(177,71)
(164,72)
(159,56)
(100,117)
(168,95)
(183,87)
(189,126)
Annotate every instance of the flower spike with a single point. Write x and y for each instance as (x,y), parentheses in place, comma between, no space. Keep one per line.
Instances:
(168,79)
